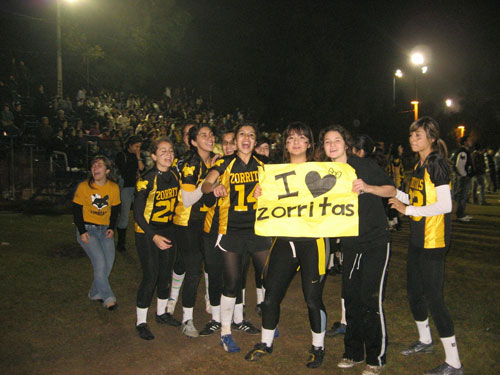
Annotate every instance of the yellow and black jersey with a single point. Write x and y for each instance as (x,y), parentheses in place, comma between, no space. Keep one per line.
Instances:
(237,210)
(96,201)
(193,172)
(432,231)
(396,170)
(156,197)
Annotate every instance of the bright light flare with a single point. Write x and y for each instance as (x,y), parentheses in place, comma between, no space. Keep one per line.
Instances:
(425,69)
(448,102)
(398,73)
(417,58)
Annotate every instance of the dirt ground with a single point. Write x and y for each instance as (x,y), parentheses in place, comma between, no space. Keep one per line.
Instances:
(48,326)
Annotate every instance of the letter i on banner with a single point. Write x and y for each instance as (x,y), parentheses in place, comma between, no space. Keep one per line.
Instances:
(307,200)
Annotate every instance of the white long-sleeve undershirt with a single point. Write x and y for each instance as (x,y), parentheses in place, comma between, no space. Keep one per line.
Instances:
(191,197)
(443,204)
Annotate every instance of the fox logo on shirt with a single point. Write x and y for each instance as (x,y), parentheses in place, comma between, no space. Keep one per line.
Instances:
(99,202)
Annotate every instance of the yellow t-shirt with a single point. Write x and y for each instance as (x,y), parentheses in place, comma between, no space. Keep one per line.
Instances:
(97,201)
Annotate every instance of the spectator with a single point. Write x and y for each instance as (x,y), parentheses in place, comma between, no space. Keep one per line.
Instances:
(130,164)
(491,172)
(464,170)
(478,179)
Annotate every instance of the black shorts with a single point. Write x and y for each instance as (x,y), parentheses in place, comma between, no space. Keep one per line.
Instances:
(243,242)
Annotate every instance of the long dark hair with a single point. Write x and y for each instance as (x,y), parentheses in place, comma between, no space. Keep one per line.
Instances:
(431,128)
(193,134)
(344,133)
(108,165)
(301,129)
(364,142)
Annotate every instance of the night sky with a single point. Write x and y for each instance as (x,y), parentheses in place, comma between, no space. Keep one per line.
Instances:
(317,61)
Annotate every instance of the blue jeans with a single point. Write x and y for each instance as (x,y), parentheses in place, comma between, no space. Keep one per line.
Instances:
(127,198)
(101,252)
(462,194)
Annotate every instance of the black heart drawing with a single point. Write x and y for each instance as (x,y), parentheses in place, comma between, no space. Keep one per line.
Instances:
(317,185)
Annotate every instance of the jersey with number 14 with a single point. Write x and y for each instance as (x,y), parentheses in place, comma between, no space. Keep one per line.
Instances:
(237,210)
(432,231)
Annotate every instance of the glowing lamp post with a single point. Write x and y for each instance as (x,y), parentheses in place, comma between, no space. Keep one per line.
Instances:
(418,60)
(415,108)
(397,74)
(59,47)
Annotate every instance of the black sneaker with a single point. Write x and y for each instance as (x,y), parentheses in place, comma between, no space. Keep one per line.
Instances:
(167,319)
(144,332)
(445,369)
(246,326)
(316,355)
(337,329)
(211,327)
(258,351)
(418,347)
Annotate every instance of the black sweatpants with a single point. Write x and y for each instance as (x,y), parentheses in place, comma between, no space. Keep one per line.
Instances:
(425,269)
(156,267)
(363,282)
(284,260)
(190,247)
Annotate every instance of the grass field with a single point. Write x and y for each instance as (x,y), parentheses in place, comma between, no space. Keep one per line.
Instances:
(48,326)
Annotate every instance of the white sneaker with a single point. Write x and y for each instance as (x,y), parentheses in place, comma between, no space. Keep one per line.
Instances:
(171,305)
(348,363)
(189,329)
(372,370)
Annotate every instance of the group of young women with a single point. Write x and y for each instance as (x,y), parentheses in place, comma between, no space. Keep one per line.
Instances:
(170,215)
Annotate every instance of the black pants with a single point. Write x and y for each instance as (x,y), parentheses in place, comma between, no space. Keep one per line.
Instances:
(284,260)
(234,247)
(156,268)
(190,248)
(214,267)
(425,270)
(363,282)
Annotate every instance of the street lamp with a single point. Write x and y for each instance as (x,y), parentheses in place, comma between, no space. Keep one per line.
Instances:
(448,102)
(415,108)
(59,47)
(397,74)
(59,51)
(418,60)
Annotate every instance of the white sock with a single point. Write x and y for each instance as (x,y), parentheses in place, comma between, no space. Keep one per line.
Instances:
(318,339)
(343,320)
(243,295)
(226,314)
(260,295)
(216,313)
(187,314)
(161,306)
(268,336)
(142,315)
(451,350)
(424,331)
(238,313)
(176,285)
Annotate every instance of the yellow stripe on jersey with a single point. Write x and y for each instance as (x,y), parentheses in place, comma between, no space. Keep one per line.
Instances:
(150,202)
(226,201)
(320,242)
(434,225)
